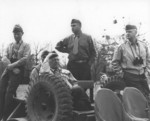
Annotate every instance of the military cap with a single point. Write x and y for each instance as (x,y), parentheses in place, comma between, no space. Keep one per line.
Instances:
(75,21)
(129,27)
(44,54)
(52,55)
(17,28)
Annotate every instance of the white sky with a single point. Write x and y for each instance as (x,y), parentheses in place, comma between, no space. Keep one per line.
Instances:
(46,21)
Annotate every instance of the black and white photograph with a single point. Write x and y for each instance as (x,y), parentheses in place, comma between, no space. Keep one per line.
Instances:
(74,60)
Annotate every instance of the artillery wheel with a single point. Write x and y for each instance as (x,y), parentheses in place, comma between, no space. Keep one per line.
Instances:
(49,99)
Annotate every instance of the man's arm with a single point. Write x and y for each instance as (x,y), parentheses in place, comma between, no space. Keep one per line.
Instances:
(35,72)
(6,52)
(62,45)
(92,51)
(26,54)
(117,59)
(71,79)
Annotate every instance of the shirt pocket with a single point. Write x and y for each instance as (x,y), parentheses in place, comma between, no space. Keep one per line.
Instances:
(20,52)
(71,44)
(127,57)
(84,44)
(143,53)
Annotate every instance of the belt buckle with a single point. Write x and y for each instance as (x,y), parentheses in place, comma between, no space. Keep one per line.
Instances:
(81,61)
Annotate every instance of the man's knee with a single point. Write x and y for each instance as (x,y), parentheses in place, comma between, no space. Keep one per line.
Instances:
(77,91)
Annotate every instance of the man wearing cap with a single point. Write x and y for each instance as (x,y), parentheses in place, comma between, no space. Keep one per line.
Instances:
(81,51)
(35,72)
(17,54)
(131,60)
(51,65)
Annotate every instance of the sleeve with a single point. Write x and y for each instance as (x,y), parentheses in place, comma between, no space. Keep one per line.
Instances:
(92,51)
(147,61)
(72,78)
(62,45)
(117,59)
(45,68)
(26,54)
(6,52)
(34,74)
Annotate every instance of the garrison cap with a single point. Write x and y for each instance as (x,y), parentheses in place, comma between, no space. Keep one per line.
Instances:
(75,21)
(52,55)
(130,27)
(44,54)
(17,28)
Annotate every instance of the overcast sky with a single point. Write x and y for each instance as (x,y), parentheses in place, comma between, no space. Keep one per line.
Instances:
(46,21)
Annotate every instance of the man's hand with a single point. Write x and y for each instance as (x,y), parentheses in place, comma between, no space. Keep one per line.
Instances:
(16,71)
(103,78)
(10,66)
(120,73)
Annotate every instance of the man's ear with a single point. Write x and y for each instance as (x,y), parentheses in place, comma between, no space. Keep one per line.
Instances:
(22,33)
(136,32)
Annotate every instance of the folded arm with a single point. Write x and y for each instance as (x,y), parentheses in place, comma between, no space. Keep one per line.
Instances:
(22,61)
(62,46)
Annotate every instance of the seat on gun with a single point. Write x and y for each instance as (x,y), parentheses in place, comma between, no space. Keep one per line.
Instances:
(108,107)
(135,103)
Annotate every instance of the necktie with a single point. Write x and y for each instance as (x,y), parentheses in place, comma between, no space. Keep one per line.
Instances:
(75,47)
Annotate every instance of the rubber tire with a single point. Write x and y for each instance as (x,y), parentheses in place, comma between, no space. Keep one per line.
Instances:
(114,83)
(61,96)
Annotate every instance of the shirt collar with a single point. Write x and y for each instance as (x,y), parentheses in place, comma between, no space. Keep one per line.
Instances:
(54,70)
(137,43)
(20,42)
(78,35)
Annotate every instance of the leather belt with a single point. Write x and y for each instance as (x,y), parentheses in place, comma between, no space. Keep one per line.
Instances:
(80,61)
(136,75)
(140,72)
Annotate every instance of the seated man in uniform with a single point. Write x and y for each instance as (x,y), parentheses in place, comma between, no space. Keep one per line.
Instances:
(51,65)
(35,72)
(16,56)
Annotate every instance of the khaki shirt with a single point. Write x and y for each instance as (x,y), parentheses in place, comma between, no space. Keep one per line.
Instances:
(23,51)
(45,68)
(68,77)
(125,54)
(86,49)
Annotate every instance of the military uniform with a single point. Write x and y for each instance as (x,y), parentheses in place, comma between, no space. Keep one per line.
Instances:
(17,54)
(81,52)
(80,99)
(134,62)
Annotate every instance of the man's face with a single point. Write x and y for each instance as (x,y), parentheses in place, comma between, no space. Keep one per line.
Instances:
(75,27)
(54,63)
(130,34)
(18,36)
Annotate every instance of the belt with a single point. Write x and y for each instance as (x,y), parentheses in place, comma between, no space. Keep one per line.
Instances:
(140,72)
(80,61)
(135,75)
(135,78)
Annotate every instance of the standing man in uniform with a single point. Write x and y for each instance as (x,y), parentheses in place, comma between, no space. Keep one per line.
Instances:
(131,60)
(81,51)
(17,53)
